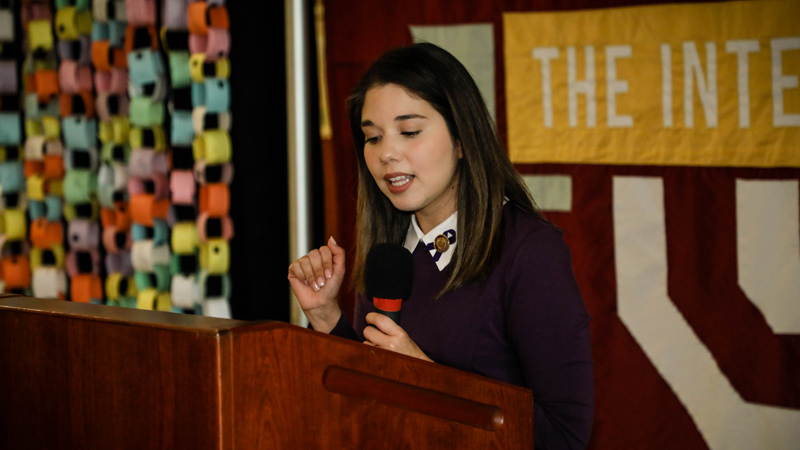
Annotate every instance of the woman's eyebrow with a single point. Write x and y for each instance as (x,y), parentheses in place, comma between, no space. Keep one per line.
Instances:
(369,123)
(409,116)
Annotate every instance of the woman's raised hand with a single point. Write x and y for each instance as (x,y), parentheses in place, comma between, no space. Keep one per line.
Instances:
(316,279)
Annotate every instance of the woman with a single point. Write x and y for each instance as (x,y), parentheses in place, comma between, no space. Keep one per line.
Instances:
(501,299)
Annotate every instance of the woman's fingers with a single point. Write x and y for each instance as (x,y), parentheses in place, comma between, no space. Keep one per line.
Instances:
(327,262)
(319,266)
(296,271)
(387,334)
(308,272)
(384,333)
(338,256)
(374,336)
(383,323)
(318,271)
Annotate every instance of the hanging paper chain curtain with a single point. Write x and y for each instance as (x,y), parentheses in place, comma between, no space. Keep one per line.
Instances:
(116,188)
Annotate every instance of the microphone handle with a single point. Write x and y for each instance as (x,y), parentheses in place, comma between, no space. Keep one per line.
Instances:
(394,315)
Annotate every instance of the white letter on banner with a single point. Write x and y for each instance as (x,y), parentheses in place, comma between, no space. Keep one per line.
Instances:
(614,86)
(706,87)
(552,192)
(723,418)
(586,86)
(742,48)
(545,54)
(666,84)
(781,82)
(769,250)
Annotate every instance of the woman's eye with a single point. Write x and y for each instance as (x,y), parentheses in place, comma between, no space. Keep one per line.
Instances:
(372,140)
(410,133)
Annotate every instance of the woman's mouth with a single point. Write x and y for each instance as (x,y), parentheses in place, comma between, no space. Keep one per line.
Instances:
(398,183)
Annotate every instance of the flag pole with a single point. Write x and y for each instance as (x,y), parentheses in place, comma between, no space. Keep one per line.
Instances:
(299,138)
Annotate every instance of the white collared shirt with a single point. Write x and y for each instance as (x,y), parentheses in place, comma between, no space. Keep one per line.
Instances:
(414,235)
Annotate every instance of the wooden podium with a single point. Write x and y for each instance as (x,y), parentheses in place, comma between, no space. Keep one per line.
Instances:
(81,376)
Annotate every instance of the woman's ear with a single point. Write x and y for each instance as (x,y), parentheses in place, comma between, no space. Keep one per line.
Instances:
(457,148)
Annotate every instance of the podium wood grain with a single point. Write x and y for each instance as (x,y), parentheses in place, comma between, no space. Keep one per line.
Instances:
(78,376)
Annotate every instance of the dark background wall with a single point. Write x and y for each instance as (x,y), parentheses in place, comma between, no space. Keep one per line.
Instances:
(259,192)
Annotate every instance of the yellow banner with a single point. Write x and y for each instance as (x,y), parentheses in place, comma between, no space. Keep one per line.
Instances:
(711,84)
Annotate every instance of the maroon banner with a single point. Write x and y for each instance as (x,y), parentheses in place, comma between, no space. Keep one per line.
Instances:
(719,340)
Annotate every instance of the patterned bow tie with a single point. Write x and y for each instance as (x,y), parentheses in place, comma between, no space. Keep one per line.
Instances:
(442,243)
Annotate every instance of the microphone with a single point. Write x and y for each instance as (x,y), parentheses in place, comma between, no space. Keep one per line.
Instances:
(388,278)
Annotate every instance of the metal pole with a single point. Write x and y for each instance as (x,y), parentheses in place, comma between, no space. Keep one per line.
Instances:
(299,120)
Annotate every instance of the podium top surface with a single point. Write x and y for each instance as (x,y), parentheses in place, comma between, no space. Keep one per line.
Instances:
(102,313)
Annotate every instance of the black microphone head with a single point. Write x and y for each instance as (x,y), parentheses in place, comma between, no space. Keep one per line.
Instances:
(389,272)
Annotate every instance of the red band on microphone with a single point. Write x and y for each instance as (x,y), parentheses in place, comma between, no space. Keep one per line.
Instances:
(387,304)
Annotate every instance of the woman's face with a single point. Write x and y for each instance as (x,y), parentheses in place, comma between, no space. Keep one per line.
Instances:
(410,153)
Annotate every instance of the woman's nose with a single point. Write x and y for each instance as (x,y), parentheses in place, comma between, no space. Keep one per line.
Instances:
(390,154)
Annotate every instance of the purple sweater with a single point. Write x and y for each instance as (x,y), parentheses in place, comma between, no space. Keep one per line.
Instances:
(526,324)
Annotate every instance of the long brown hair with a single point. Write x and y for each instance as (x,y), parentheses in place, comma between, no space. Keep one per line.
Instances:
(486,177)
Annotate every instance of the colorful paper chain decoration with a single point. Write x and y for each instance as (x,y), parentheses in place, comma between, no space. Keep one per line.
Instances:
(131,153)
(15,268)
